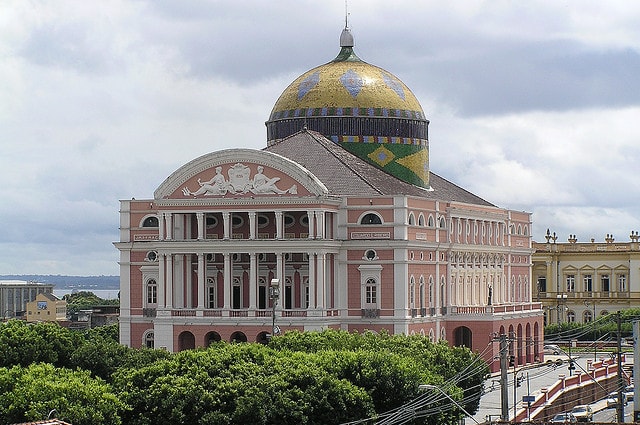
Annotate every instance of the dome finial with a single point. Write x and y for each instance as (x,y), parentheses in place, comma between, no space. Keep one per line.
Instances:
(346,39)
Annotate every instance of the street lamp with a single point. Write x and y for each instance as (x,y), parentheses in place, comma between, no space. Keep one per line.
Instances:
(595,340)
(425,387)
(274,295)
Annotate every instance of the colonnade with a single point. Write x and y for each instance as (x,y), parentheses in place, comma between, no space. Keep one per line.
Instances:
(175,271)
(171,228)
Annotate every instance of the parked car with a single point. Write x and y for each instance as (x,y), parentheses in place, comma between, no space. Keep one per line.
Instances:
(583,413)
(564,418)
(612,399)
(551,349)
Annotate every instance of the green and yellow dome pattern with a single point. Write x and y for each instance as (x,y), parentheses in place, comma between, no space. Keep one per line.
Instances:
(365,109)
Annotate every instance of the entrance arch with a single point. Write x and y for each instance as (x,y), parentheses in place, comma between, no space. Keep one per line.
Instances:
(211,338)
(238,337)
(263,337)
(186,341)
(463,337)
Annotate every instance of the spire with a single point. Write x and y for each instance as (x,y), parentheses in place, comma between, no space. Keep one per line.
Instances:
(346,39)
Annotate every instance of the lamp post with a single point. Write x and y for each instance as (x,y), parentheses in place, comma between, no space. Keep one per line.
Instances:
(274,295)
(435,387)
(595,340)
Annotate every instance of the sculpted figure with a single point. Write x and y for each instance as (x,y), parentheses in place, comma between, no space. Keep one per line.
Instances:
(263,184)
(216,186)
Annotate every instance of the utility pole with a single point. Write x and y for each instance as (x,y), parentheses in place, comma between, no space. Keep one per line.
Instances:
(504,383)
(620,405)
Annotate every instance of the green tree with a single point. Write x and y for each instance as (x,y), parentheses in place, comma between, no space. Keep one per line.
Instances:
(31,393)
(85,300)
(23,344)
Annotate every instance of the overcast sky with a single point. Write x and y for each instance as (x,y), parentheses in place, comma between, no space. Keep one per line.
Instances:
(533,105)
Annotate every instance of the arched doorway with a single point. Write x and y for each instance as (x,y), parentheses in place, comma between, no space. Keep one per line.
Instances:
(238,337)
(186,341)
(211,337)
(463,337)
(263,337)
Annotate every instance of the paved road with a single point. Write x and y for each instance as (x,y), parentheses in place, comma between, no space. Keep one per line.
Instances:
(531,381)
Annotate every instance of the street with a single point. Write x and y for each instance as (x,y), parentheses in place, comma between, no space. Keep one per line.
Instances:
(529,381)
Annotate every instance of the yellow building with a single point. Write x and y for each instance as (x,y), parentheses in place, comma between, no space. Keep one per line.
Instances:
(47,308)
(577,281)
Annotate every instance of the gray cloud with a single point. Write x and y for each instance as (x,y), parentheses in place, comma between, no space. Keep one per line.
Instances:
(532,105)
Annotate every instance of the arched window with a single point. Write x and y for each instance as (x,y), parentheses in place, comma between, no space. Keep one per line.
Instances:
(430,221)
(442,223)
(148,339)
(571,316)
(211,292)
(150,222)
(371,292)
(420,220)
(412,219)
(152,292)
(412,293)
(587,316)
(371,218)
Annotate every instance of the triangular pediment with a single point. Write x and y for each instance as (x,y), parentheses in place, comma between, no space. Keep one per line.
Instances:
(234,173)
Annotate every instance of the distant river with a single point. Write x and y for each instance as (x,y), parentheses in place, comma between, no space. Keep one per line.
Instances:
(105,294)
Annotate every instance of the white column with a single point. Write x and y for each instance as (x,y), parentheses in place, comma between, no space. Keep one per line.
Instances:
(227,281)
(312,280)
(311,216)
(253,279)
(161,226)
(200,217)
(322,274)
(280,277)
(168,218)
(226,219)
(252,224)
(279,224)
(169,289)
(201,280)
(320,224)
(161,279)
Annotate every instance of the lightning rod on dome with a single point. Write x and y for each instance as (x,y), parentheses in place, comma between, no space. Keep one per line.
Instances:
(346,14)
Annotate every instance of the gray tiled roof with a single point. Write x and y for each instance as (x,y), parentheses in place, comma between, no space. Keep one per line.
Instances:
(347,175)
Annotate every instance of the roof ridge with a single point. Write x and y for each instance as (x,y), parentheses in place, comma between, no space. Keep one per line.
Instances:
(322,143)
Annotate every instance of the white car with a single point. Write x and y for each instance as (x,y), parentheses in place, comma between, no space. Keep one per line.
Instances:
(551,349)
(612,399)
(583,413)
(564,418)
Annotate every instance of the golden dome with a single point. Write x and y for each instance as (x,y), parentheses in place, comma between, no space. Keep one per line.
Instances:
(356,104)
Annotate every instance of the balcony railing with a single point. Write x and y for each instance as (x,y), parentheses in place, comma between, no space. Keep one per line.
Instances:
(370,313)
(149,312)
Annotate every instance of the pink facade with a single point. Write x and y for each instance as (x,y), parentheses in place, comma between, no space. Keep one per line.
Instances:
(347,220)
(197,268)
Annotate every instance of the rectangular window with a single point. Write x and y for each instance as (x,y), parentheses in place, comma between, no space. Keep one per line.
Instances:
(152,294)
(588,282)
(622,282)
(306,296)
(604,282)
(571,283)
(371,295)
(211,297)
(542,284)
(262,296)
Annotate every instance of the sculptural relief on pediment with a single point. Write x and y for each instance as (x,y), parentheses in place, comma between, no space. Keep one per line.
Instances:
(239,179)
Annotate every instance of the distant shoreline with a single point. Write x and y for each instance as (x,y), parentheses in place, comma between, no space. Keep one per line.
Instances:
(63,282)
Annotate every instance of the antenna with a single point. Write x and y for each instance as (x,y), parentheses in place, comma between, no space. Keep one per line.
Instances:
(346,14)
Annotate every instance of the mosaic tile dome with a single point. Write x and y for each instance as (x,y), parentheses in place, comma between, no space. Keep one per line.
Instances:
(365,109)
